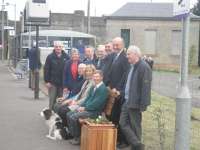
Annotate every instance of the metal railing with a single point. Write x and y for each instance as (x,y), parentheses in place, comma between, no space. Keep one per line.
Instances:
(21,69)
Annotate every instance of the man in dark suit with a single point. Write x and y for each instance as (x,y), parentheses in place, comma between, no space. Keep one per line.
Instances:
(90,56)
(116,75)
(100,55)
(137,93)
(119,64)
(91,107)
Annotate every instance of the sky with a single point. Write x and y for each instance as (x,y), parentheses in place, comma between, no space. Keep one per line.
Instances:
(98,7)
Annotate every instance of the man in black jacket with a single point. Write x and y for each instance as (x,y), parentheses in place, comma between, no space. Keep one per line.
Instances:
(137,94)
(100,56)
(33,64)
(53,72)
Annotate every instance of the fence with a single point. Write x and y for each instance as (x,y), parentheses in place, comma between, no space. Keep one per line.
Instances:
(22,68)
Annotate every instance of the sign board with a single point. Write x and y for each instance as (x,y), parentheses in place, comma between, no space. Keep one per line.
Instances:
(37,11)
(181,7)
(8,28)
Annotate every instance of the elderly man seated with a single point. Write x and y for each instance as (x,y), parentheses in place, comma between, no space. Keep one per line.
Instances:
(91,108)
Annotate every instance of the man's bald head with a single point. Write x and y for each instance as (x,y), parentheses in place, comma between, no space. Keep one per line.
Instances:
(118,44)
(118,39)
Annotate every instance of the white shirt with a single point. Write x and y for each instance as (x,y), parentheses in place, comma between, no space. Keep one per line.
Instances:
(98,85)
(116,57)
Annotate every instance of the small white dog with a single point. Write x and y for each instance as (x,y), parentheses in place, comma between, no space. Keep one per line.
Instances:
(54,123)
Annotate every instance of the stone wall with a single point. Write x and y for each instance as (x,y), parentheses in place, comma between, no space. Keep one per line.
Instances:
(163,30)
(78,22)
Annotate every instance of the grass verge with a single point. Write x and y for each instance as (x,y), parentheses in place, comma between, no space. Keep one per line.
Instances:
(159,124)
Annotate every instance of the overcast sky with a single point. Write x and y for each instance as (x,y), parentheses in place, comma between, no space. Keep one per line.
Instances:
(98,7)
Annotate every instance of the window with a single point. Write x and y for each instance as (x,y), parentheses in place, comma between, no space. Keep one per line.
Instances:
(176,42)
(51,40)
(125,34)
(25,41)
(150,42)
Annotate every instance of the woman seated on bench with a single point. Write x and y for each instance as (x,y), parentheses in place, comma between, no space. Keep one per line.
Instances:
(65,105)
(90,108)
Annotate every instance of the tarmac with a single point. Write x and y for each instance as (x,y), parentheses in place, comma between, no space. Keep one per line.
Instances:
(21,127)
(167,84)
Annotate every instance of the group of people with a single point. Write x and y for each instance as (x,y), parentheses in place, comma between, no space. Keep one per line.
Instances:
(78,87)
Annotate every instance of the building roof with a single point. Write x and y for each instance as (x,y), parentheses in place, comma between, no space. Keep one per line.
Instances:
(147,10)
(60,33)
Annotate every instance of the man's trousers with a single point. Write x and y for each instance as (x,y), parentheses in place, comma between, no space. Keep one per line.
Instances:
(130,124)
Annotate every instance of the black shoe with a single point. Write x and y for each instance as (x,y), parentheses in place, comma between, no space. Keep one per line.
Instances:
(65,134)
(75,141)
(138,147)
(122,145)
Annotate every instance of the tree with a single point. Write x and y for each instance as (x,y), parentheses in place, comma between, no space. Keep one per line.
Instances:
(196,8)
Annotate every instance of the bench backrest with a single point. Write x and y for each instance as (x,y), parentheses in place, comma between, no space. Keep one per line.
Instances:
(112,96)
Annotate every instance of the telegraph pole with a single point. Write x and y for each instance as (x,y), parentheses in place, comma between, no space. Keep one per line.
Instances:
(15,40)
(2,30)
(29,48)
(88,17)
(36,73)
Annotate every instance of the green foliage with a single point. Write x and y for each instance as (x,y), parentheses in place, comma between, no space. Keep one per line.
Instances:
(99,120)
(195,70)
(192,60)
(159,117)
